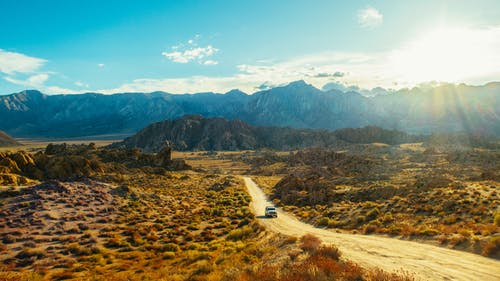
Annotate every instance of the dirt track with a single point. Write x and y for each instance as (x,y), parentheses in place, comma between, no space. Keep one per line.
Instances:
(427,262)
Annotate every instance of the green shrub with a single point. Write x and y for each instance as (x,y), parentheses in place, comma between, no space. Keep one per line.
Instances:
(373,214)
(496,219)
(394,229)
(429,232)
(171,247)
(168,255)
(239,233)
(324,221)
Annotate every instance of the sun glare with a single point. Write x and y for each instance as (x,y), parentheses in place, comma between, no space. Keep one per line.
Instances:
(446,54)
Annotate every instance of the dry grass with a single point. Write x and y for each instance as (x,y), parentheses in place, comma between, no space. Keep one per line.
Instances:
(219,162)
(316,262)
(440,196)
(143,224)
(137,226)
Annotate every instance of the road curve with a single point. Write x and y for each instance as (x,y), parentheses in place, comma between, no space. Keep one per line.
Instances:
(427,262)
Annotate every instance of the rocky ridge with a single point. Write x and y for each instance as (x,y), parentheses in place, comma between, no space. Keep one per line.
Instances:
(195,132)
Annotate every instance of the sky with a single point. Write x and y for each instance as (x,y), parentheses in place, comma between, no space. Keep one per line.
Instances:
(64,47)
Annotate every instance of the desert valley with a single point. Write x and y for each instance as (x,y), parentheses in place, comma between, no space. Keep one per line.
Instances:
(249,140)
(112,212)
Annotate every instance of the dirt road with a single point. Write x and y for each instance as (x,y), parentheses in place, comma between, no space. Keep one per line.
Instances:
(427,262)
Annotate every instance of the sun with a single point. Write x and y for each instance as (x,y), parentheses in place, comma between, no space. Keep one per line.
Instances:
(444,54)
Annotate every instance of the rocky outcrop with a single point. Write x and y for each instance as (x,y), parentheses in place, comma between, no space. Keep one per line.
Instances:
(195,132)
(67,162)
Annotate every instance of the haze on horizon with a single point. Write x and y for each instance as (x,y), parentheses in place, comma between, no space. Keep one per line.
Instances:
(198,46)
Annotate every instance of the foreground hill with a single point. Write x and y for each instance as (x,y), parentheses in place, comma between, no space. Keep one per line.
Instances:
(447,108)
(6,140)
(195,132)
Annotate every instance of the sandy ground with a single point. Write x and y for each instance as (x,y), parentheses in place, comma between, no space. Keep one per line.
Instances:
(427,262)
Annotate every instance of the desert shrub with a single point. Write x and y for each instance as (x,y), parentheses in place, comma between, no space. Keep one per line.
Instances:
(387,217)
(491,247)
(360,219)
(28,253)
(30,244)
(293,254)
(136,239)
(290,240)
(352,272)
(203,268)
(336,223)
(250,259)
(451,219)
(442,239)
(429,232)
(330,251)
(373,214)
(324,221)
(378,274)
(8,239)
(309,243)
(168,255)
(116,242)
(194,256)
(62,275)
(457,240)
(370,228)
(496,219)
(78,250)
(240,233)
(394,229)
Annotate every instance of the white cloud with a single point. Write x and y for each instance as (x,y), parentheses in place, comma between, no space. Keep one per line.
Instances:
(250,77)
(446,55)
(59,90)
(81,84)
(190,51)
(11,63)
(192,54)
(101,65)
(36,80)
(468,55)
(24,70)
(370,17)
(210,62)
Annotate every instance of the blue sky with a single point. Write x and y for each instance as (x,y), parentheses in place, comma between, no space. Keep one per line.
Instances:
(195,46)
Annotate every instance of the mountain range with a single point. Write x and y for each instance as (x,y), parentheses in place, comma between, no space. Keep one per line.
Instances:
(445,108)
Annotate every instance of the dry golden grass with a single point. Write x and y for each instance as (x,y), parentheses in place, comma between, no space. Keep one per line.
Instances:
(135,224)
(444,197)
(147,224)
(266,182)
(219,162)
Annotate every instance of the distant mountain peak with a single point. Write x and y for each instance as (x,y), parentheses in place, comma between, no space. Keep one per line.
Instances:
(298,83)
(236,92)
(299,86)
(31,93)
